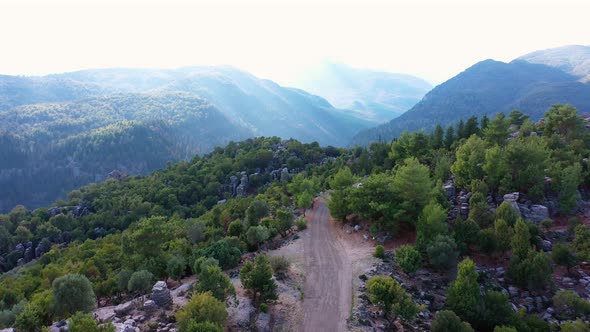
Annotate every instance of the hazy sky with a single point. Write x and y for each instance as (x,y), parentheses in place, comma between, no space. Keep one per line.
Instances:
(277,39)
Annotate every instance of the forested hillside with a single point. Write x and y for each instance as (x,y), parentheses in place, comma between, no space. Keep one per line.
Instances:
(50,149)
(488,191)
(487,88)
(60,132)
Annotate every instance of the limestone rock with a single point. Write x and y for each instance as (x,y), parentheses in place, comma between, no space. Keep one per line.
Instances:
(161,294)
(123,308)
(263,322)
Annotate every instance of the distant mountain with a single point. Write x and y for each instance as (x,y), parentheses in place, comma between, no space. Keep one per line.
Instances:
(62,131)
(20,90)
(573,59)
(372,95)
(488,87)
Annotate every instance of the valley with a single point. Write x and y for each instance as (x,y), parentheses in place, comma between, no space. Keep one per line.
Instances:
(208,199)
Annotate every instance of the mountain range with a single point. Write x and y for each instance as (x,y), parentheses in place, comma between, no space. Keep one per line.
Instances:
(373,95)
(59,132)
(531,84)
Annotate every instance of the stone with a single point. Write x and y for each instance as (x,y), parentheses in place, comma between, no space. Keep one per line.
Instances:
(149,306)
(513,197)
(123,308)
(546,245)
(449,189)
(513,291)
(357,228)
(263,322)
(537,213)
(161,294)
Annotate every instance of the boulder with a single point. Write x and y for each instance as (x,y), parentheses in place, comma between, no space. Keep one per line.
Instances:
(161,294)
(123,308)
(149,306)
(513,197)
(537,213)
(546,245)
(449,189)
(263,322)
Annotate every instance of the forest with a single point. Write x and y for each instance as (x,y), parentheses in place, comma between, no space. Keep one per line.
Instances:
(109,240)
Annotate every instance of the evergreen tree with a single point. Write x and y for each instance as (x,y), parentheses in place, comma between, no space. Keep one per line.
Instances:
(432,222)
(449,137)
(461,133)
(463,295)
(503,234)
(471,126)
(437,138)
(470,158)
(257,277)
(497,130)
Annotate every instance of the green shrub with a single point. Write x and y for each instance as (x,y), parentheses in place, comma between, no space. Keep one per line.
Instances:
(279,264)
(569,305)
(391,297)
(202,307)
(447,321)
(443,253)
(379,251)
(408,258)
(263,307)
(301,224)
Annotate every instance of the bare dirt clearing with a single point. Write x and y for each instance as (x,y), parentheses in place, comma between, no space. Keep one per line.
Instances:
(331,265)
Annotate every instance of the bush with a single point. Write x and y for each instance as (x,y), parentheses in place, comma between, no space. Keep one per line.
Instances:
(504,329)
(72,293)
(391,297)
(235,228)
(84,322)
(202,307)
(227,256)
(301,224)
(194,326)
(497,310)
(140,282)
(212,279)
(487,241)
(443,253)
(379,251)
(447,321)
(573,223)
(569,305)
(546,224)
(576,326)
(263,308)
(408,258)
(562,255)
(279,264)
(532,272)
(202,262)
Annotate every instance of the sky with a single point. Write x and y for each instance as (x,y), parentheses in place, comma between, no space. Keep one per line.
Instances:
(279,39)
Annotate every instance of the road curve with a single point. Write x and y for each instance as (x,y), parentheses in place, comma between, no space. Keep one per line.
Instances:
(328,275)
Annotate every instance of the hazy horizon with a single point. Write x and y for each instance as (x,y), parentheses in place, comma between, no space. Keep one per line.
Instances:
(279,40)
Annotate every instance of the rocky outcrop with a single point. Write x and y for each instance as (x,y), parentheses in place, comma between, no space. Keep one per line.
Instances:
(124,308)
(161,294)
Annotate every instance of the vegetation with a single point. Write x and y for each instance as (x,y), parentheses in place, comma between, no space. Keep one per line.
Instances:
(408,258)
(186,220)
(201,308)
(257,278)
(391,297)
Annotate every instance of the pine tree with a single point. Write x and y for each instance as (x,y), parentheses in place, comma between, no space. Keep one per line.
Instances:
(463,295)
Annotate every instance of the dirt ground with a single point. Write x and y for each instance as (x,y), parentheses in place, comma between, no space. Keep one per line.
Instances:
(332,261)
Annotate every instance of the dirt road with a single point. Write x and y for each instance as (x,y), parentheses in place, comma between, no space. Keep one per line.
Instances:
(328,275)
